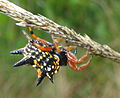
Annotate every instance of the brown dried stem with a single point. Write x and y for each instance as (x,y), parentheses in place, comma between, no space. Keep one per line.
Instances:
(40,22)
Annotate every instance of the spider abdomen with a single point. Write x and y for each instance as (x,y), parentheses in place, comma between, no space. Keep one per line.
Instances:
(47,62)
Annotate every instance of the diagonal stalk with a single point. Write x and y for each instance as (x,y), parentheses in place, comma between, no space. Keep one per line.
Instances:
(26,18)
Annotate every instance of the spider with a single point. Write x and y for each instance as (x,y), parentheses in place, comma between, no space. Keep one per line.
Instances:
(47,57)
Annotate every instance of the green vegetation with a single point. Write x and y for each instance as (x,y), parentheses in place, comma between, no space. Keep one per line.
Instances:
(100,19)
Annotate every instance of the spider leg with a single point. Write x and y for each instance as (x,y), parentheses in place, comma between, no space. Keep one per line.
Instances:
(72,60)
(71,48)
(55,43)
(41,47)
(58,39)
(26,35)
(36,44)
(75,51)
(38,38)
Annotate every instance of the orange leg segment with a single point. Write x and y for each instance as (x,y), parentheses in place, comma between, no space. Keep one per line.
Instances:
(42,48)
(55,42)
(37,38)
(72,60)
(71,48)
(58,48)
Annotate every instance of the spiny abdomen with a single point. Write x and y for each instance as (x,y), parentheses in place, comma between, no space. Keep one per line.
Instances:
(45,63)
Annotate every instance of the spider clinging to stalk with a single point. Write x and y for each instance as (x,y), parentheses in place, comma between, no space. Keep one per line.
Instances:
(47,57)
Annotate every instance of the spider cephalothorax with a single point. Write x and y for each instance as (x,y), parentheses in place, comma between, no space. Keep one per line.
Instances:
(47,57)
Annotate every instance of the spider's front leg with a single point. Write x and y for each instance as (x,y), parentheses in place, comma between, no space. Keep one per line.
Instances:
(72,60)
(41,47)
(48,48)
(38,38)
(55,43)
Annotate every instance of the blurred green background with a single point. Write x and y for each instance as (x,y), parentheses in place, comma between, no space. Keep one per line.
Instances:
(100,19)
